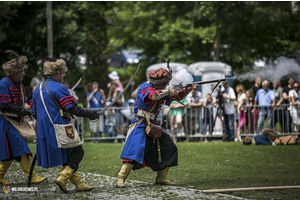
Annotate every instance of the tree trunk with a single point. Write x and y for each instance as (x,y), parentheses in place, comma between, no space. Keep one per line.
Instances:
(217,38)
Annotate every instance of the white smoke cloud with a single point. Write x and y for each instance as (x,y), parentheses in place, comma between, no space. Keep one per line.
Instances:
(181,76)
(284,67)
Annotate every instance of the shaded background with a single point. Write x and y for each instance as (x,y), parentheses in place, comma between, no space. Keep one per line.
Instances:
(236,33)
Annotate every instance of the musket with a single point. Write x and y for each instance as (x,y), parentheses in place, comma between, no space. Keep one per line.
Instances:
(9,114)
(182,87)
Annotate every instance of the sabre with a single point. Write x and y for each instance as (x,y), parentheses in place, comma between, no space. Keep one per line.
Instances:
(76,84)
(128,84)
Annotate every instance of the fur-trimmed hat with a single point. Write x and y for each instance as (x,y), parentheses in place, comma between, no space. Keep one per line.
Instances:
(158,73)
(160,76)
(55,67)
(17,64)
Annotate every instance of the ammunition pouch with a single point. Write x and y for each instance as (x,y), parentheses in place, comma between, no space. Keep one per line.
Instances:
(152,130)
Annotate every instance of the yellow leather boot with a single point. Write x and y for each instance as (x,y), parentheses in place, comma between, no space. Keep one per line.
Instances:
(4,165)
(25,163)
(65,174)
(161,178)
(80,186)
(123,173)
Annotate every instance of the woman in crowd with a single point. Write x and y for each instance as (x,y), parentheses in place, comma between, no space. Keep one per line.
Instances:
(241,101)
(251,118)
(294,95)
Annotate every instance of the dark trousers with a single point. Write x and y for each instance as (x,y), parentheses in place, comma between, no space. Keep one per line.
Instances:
(288,121)
(279,118)
(229,127)
(75,157)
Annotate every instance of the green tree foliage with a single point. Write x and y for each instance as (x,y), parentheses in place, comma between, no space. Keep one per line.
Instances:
(26,33)
(236,33)
(186,31)
(96,44)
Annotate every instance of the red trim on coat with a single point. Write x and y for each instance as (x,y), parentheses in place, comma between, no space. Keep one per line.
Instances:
(144,164)
(11,80)
(66,100)
(5,98)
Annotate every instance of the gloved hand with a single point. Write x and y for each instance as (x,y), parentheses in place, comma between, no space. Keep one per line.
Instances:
(24,112)
(93,115)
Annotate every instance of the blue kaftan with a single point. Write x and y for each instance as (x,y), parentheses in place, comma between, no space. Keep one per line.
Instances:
(10,138)
(134,148)
(47,151)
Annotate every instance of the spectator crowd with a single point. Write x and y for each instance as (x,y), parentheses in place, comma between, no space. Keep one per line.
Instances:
(243,111)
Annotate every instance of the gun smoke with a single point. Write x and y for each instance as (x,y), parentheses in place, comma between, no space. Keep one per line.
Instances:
(182,76)
(285,67)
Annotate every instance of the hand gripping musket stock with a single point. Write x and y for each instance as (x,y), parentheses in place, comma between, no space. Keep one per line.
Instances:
(128,84)
(181,87)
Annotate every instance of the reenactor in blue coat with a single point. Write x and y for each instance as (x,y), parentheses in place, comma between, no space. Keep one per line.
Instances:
(12,97)
(47,150)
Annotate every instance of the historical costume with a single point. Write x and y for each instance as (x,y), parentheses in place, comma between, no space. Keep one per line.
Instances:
(140,150)
(47,151)
(12,97)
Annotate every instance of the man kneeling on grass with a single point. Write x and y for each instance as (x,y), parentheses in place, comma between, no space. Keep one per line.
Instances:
(141,150)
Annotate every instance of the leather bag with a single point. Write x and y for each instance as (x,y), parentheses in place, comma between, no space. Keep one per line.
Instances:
(152,130)
(23,127)
(66,134)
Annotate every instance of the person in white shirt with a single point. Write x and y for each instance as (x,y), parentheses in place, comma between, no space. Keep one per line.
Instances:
(229,110)
(195,101)
(294,95)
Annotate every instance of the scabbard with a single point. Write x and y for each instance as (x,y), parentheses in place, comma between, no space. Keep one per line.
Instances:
(158,150)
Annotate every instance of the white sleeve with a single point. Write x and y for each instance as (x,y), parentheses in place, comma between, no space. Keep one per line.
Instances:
(243,96)
(188,98)
(232,94)
(291,93)
(200,97)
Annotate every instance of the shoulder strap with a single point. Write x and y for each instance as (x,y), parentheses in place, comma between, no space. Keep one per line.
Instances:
(58,106)
(42,98)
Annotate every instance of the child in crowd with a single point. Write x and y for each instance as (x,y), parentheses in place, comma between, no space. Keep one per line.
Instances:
(110,121)
(208,116)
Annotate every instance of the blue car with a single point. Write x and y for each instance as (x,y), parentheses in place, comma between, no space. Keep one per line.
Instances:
(124,58)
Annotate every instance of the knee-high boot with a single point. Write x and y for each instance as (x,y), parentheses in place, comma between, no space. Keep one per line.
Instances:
(123,173)
(25,163)
(161,177)
(80,186)
(4,165)
(65,174)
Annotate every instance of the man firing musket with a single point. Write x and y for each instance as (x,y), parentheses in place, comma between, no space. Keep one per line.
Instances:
(182,86)
(147,145)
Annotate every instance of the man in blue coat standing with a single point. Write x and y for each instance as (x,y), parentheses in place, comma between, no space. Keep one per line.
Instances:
(140,150)
(12,97)
(47,150)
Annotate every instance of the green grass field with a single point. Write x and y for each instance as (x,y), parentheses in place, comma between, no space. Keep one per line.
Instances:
(215,165)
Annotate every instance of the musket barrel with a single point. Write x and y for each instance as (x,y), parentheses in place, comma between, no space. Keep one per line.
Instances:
(210,81)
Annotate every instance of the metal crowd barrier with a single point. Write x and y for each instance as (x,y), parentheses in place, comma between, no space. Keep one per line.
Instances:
(198,123)
(192,118)
(279,118)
